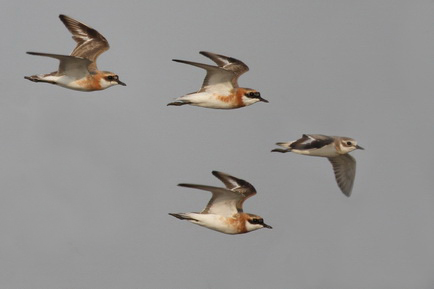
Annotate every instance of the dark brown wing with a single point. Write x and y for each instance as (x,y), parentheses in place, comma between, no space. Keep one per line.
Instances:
(237,67)
(311,141)
(236,185)
(90,43)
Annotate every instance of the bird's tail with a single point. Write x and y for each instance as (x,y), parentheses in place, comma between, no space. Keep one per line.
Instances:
(183,216)
(285,145)
(38,78)
(179,102)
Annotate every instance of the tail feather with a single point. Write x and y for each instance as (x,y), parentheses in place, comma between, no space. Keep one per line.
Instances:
(286,145)
(37,78)
(179,102)
(281,150)
(183,216)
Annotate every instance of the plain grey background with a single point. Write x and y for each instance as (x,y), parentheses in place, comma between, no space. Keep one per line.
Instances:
(87,179)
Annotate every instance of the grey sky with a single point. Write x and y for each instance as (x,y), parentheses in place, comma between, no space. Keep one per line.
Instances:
(87,179)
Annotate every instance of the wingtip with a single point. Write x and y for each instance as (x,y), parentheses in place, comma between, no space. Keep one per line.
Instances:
(346,190)
(183,185)
(219,175)
(212,55)
(63,17)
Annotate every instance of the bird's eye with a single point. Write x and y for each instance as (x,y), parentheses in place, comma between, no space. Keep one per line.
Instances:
(253,94)
(349,143)
(256,221)
(110,77)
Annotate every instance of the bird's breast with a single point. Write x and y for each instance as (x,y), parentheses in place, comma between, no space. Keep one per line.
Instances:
(234,98)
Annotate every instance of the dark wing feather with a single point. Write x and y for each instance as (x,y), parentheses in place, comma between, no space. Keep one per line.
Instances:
(90,43)
(311,141)
(235,184)
(243,188)
(344,167)
(237,67)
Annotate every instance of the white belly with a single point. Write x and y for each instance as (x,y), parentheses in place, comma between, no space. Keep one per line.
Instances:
(206,99)
(214,222)
(65,81)
(71,83)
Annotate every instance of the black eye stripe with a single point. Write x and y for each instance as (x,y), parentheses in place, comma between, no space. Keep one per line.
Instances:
(256,221)
(253,94)
(112,77)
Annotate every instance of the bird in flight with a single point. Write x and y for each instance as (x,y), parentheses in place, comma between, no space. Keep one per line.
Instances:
(335,148)
(78,71)
(220,88)
(224,212)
